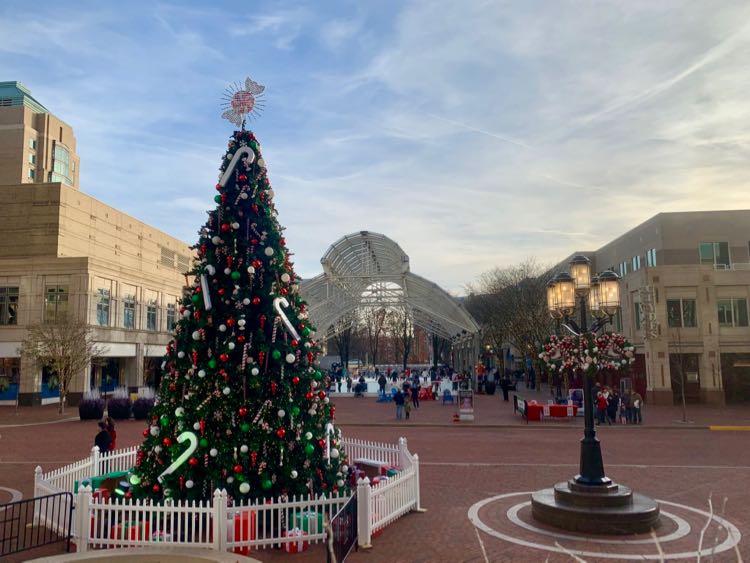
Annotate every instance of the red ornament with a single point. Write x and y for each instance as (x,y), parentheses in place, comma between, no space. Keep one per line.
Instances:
(242,178)
(218,187)
(309,395)
(231,322)
(262,321)
(155,488)
(225,227)
(145,433)
(193,461)
(282,241)
(283,291)
(256,300)
(281,432)
(182,482)
(254,457)
(221,291)
(295,380)
(294,343)
(256,264)
(202,424)
(167,442)
(223,357)
(321,395)
(254,241)
(241,338)
(243,411)
(237,468)
(321,442)
(274,387)
(254,207)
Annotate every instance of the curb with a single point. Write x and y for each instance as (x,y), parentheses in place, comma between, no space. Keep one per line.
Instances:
(529,426)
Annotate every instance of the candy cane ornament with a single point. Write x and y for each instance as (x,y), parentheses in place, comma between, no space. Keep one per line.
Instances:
(235,159)
(190,437)
(277,303)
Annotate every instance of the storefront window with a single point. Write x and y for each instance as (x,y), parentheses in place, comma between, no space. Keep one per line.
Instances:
(102,307)
(56,303)
(8,305)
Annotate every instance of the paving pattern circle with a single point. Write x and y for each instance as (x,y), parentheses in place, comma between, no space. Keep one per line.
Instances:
(510,524)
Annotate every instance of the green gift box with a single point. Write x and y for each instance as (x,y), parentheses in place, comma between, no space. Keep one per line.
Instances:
(309,521)
(391,472)
(107,481)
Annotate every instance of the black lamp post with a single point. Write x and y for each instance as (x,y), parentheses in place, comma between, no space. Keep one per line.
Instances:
(590,502)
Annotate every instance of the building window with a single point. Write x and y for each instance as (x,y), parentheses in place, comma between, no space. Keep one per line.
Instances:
(651,258)
(128,313)
(102,307)
(623,269)
(32,159)
(61,165)
(715,254)
(8,305)
(637,315)
(151,315)
(56,303)
(171,315)
(32,174)
(732,312)
(681,313)
(32,144)
(636,262)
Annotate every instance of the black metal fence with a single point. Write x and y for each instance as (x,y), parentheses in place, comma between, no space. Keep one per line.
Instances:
(344,529)
(34,522)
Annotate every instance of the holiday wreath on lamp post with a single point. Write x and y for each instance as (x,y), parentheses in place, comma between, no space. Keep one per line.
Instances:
(588,352)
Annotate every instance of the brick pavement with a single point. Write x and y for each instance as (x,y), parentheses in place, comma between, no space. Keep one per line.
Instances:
(463,463)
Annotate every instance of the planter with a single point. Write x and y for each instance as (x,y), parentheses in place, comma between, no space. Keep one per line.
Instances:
(142,408)
(91,409)
(489,387)
(119,409)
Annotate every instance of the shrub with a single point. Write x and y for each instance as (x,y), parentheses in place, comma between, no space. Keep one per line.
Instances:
(119,404)
(144,403)
(91,406)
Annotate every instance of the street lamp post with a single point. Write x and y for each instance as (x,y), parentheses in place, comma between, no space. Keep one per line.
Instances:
(609,508)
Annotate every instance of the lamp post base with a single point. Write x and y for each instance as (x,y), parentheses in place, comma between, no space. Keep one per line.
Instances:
(602,509)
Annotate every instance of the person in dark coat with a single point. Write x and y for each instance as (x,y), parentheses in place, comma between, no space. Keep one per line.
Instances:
(103,439)
(381,382)
(613,405)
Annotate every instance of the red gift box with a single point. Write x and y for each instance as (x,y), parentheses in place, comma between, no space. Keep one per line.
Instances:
(244,530)
(295,546)
(131,531)
(102,494)
(357,474)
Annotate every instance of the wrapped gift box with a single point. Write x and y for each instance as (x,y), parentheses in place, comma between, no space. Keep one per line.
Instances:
(108,481)
(130,531)
(309,521)
(160,536)
(295,546)
(375,481)
(392,472)
(243,530)
(102,494)
(388,470)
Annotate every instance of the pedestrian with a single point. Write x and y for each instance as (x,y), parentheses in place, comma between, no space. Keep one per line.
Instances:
(407,403)
(637,406)
(338,382)
(505,386)
(102,439)
(613,406)
(381,384)
(398,399)
(112,432)
(415,392)
(348,383)
(627,407)
(601,408)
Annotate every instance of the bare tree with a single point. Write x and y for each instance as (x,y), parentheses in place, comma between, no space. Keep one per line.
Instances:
(401,330)
(440,349)
(373,322)
(679,366)
(64,346)
(342,333)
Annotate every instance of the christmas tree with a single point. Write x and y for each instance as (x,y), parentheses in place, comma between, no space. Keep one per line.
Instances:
(241,405)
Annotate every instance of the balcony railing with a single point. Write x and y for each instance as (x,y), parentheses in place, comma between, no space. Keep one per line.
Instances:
(736,266)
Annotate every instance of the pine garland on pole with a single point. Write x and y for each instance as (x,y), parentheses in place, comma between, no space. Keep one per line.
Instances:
(241,404)
(588,352)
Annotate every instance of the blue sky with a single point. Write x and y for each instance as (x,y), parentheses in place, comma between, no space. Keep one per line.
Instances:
(475,134)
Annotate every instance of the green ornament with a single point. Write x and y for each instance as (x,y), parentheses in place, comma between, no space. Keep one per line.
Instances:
(164,421)
(240,477)
(295,411)
(245,427)
(253,145)
(306,331)
(195,299)
(235,276)
(217,198)
(212,363)
(276,355)
(135,480)
(309,449)
(204,443)
(317,375)
(266,484)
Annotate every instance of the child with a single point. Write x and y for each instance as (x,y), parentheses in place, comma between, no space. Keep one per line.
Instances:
(112,432)
(407,404)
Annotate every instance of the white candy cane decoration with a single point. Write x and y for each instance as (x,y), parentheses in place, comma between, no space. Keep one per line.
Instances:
(190,437)
(277,303)
(329,431)
(235,159)
(206,294)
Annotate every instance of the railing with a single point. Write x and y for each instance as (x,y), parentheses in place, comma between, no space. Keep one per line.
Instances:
(34,522)
(285,522)
(344,531)
(734,266)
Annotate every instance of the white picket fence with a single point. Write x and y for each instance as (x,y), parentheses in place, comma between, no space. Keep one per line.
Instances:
(98,523)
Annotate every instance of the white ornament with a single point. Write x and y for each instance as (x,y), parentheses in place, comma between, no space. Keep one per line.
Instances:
(201,373)
(255,371)
(243,195)
(293,474)
(196,335)
(226,390)
(179,411)
(189,484)
(180,354)
(227,271)
(230,479)
(308,435)
(210,269)
(196,426)
(268,251)
(216,240)
(244,488)
(281,413)
(250,270)
(312,411)
(244,448)
(340,483)
(261,163)
(344,468)
(186,313)
(157,449)
(231,345)
(241,322)
(213,452)
(246,301)
(285,277)
(154,430)
(235,225)
(290,358)
(326,400)
(222,328)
